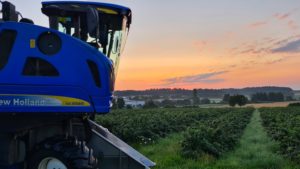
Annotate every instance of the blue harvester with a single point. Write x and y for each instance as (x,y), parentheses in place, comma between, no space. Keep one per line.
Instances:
(53,81)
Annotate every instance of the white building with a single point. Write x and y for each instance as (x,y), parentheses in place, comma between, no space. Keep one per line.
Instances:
(134,103)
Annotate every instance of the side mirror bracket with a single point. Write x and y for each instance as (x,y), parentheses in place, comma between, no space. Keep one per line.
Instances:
(9,12)
(92,22)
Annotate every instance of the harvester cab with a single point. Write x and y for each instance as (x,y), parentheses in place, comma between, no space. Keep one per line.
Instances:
(53,81)
(104,28)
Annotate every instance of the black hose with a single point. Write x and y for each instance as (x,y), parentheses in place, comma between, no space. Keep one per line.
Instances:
(20,14)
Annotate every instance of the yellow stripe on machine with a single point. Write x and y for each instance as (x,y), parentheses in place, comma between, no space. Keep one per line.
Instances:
(32,43)
(108,11)
(44,100)
(68,101)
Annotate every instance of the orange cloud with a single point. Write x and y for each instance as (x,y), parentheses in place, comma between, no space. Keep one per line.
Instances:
(293,25)
(286,17)
(200,45)
(282,16)
(199,78)
(258,24)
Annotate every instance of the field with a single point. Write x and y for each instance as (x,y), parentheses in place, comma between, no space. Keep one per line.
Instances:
(283,125)
(274,104)
(211,138)
(255,105)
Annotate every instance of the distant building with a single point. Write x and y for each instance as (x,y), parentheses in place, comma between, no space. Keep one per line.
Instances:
(134,103)
(214,100)
(297,95)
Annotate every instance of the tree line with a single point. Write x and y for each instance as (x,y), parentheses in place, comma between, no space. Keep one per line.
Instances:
(267,97)
(194,100)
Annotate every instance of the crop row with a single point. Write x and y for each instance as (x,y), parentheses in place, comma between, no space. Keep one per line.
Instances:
(283,125)
(217,136)
(146,126)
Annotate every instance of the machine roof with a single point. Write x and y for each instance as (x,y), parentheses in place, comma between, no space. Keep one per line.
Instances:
(120,9)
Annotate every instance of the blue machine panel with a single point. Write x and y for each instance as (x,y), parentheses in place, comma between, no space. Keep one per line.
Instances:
(73,89)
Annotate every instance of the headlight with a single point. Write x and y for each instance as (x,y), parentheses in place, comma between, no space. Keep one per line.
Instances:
(49,43)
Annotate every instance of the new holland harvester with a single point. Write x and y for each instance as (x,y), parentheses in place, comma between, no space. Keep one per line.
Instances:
(53,81)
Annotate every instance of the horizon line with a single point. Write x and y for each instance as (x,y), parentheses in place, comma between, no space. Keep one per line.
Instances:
(210,88)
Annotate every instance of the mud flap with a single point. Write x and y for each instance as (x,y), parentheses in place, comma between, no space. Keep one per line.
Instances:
(113,153)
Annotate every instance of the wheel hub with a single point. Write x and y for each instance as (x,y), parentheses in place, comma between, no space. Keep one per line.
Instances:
(51,163)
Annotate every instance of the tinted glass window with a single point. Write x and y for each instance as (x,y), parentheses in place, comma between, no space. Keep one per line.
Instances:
(39,67)
(7,40)
(95,72)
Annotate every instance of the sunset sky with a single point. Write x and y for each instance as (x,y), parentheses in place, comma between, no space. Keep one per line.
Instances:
(206,43)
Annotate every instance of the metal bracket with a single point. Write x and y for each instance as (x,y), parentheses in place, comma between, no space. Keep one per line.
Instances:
(113,153)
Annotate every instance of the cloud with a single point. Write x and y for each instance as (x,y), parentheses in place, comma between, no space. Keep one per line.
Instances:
(282,16)
(254,50)
(269,40)
(276,61)
(200,45)
(292,25)
(263,47)
(290,47)
(258,24)
(286,17)
(233,66)
(199,78)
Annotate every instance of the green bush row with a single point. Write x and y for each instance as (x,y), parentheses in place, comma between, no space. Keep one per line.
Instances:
(294,105)
(216,136)
(283,125)
(145,126)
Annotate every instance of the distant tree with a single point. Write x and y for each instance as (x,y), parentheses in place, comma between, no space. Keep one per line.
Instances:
(267,97)
(185,102)
(226,98)
(205,101)
(278,97)
(294,105)
(259,97)
(196,100)
(232,101)
(128,106)
(150,104)
(136,98)
(114,104)
(120,103)
(170,106)
(167,103)
(240,100)
(290,98)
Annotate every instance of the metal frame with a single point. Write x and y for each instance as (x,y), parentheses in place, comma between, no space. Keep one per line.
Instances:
(114,149)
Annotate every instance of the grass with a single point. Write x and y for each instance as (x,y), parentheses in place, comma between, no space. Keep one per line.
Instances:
(274,104)
(166,154)
(255,151)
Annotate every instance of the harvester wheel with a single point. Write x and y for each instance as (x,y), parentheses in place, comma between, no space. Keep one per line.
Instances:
(62,154)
